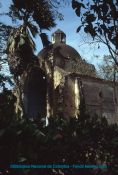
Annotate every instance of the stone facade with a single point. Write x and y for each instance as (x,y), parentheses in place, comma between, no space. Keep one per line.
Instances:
(58,86)
(99,96)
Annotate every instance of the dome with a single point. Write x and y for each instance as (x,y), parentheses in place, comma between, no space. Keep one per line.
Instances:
(61,51)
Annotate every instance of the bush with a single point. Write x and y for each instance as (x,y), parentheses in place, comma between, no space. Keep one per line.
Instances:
(86,140)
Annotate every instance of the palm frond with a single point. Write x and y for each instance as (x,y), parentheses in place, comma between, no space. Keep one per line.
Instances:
(30,41)
(45,40)
(33,29)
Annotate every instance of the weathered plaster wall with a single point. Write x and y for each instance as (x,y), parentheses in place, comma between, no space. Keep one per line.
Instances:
(71,97)
(65,92)
(100,98)
(59,90)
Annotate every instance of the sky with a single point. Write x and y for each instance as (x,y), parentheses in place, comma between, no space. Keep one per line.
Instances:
(79,41)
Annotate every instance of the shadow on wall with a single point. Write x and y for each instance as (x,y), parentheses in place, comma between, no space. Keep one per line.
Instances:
(35,93)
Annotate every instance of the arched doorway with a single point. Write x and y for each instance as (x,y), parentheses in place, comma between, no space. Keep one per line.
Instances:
(35,93)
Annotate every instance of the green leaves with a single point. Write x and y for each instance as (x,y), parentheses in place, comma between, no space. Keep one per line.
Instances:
(99,19)
(35,15)
(90,18)
(18,39)
(77,6)
(101,15)
(33,29)
(108,70)
(79,28)
(83,141)
(4,33)
(39,11)
(89,29)
(20,50)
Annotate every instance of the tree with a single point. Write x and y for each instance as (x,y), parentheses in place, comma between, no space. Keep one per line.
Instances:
(7,113)
(84,68)
(108,69)
(100,20)
(34,16)
(4,33)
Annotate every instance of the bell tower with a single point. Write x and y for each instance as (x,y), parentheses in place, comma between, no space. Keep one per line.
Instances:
(59,37)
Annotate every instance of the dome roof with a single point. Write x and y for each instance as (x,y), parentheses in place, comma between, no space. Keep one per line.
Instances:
(59,31)
(59,50)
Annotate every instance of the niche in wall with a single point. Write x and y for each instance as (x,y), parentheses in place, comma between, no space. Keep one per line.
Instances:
(35,93)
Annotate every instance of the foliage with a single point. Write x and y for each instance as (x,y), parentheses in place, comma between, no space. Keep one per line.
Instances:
(4,33)
(20,46)
(20,49)
(100,20)
(34,16)
(84,67)
(87,140)
(7,100)
(108,70)
(39,11)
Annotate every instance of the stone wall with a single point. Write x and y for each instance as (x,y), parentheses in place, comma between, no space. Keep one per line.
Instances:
(71,97)
(100,97)
(65,92)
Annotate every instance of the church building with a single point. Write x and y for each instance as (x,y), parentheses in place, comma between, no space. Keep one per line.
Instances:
(62,82)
